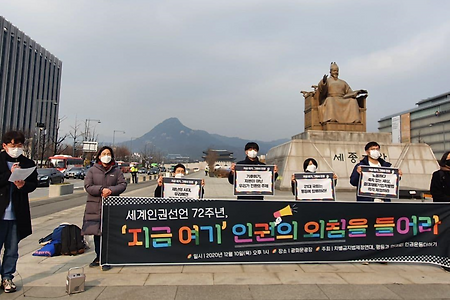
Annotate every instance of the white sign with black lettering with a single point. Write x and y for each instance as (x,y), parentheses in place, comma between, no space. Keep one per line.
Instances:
(378,182)
(314,186)
(253,180)
(182,188)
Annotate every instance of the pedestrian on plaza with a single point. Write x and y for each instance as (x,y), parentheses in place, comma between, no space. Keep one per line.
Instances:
(251,158)
(103,179)
(206,170)
(15,218)
(179,171)
(372,159)
(440,182)
(309,166)
(134,172)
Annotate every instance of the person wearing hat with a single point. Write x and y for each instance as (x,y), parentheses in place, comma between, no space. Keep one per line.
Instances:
(251,152)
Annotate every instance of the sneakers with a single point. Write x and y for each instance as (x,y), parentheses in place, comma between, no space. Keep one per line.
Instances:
(8,286)
(94,263)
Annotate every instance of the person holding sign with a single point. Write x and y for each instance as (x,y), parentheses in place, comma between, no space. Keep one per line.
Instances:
(310,165)
(251,151)
(103,179)
(15,220)
(179,172)
(372,159)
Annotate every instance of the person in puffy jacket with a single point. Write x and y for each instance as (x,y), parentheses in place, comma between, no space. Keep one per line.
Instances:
(103,179)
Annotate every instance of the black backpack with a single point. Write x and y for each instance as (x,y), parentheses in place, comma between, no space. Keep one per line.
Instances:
(72,242)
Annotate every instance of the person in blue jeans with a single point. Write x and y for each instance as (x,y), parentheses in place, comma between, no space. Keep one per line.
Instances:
(15,218)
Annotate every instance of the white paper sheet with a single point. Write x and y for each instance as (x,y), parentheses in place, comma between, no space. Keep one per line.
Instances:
(21,174)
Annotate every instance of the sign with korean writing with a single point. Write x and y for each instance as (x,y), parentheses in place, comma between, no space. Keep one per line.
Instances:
(146,231)
(314,186)
(182,188)
(253,180)
(378,182)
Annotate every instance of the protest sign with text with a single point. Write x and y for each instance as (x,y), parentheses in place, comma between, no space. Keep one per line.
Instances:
(182,188)
(378,182)
(314,186)
(253,180)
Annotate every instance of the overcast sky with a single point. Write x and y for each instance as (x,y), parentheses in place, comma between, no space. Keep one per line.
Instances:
(233,67)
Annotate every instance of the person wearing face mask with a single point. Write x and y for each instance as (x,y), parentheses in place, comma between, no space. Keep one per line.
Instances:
(103,179)
(251,151)
(179,171)
(309,166)
(372,159)
(15,219)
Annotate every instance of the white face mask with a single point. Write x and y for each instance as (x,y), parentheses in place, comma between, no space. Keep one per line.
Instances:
(15,152)
(311,168)
(375,154)
(105,159)
(252,153)
(179,175)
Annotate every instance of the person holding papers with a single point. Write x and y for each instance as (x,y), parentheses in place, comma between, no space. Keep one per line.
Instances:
(251,152)
(372,159)
(15,219)
(440,182)
(309,166)
(179,171)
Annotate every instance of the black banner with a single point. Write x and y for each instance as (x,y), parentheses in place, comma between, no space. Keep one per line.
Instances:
(143,231)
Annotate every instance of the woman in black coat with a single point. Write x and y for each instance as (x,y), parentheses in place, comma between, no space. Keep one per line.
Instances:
(440,182)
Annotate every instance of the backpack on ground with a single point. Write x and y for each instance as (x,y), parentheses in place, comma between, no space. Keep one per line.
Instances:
(72,242)
(66,239)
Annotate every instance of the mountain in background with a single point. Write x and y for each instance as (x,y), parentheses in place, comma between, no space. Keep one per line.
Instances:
(172,137)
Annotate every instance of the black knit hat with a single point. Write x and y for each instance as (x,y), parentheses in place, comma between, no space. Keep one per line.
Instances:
(251,145)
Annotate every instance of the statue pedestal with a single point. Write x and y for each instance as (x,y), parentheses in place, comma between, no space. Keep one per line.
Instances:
(356,127)
(339,151)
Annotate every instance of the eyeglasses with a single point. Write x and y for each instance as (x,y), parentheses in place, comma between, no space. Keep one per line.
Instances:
(10,145)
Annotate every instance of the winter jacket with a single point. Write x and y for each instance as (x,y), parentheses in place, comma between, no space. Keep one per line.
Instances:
(96,179)
(354,178)
(440,186)
(248,161)
(21,204)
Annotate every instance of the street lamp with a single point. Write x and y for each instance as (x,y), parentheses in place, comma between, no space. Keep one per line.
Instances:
(41,128)
(86,127)
(114,136)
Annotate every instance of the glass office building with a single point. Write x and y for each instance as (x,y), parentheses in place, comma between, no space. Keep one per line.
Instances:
(30,82)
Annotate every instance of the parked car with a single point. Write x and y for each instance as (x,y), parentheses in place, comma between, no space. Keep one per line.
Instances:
(76,173)
(49,176)
(153,170)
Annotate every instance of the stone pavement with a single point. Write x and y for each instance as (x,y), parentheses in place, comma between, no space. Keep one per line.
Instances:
(44,278)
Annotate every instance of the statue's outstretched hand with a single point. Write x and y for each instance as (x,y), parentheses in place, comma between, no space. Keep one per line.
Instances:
(324,80)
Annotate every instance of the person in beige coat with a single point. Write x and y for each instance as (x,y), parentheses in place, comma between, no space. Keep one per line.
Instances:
(103,179)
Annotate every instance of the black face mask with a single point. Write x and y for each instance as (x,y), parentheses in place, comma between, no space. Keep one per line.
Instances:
(447,162)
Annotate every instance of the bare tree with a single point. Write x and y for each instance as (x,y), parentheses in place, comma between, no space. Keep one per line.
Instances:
(122,153)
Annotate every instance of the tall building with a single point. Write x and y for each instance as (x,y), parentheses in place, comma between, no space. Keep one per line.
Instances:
(30,83)
(427,123)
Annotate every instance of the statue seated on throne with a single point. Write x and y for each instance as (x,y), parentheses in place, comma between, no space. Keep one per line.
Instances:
(333,105)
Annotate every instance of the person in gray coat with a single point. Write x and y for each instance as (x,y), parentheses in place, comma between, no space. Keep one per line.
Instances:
(103,179)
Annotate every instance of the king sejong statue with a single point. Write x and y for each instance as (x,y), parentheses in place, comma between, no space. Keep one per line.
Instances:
(337,102)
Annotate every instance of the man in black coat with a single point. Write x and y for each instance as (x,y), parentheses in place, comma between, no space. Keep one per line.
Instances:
(15,218)
(251,152)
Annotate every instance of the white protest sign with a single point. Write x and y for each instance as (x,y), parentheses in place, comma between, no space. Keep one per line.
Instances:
(314,186)
(182,188)
(253,180)
(378,182)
